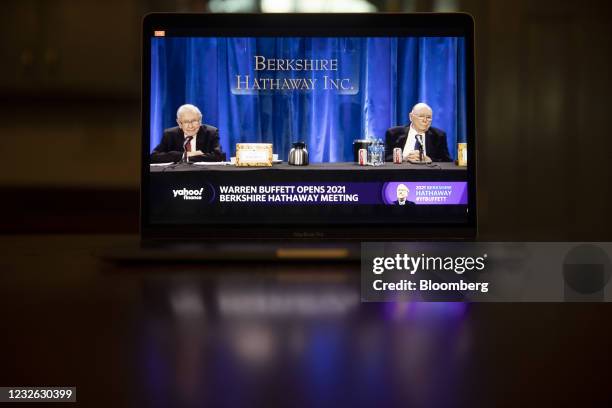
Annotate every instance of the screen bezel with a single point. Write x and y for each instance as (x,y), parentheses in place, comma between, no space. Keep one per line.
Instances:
(350,25)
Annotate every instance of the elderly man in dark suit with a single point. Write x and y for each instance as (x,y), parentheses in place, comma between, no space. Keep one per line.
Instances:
(418,134)
(191,140)
(402,196)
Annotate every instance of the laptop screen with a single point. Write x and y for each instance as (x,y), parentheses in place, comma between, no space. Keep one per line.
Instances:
(318,127)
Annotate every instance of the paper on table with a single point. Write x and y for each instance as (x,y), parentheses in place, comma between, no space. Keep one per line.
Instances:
(275,161)
(161,164)
(223,163)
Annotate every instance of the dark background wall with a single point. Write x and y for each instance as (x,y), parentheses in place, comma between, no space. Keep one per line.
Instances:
(69,114)
(543,102)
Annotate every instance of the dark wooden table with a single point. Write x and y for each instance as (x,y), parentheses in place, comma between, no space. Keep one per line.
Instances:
(261,334)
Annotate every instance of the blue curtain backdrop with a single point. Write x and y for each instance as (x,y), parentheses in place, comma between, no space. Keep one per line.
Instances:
(387,75)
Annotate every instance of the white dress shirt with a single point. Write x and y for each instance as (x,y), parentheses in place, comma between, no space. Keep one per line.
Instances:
(410,142)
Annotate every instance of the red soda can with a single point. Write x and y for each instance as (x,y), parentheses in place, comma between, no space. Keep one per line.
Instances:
(397,155)
(363,157)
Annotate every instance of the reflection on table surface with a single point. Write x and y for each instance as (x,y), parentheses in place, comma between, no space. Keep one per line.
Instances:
(234,334)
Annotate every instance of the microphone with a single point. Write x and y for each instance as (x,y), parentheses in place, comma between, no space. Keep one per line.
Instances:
(420,146)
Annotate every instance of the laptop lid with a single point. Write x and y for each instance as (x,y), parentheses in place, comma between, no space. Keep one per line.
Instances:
(316,126)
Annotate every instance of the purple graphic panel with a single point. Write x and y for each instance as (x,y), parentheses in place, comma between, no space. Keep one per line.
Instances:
(302,193)
(428,192)
(312,193)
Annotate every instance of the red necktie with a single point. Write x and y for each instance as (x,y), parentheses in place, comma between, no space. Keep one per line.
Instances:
(188,143)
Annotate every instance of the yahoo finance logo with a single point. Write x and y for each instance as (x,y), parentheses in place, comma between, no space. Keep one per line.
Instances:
(187,194)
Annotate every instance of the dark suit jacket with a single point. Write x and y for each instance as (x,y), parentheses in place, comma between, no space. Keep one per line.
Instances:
(408,203)
(435,143)
(171,147)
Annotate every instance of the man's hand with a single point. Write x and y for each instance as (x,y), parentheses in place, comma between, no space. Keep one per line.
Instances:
(196,153)
(414,155)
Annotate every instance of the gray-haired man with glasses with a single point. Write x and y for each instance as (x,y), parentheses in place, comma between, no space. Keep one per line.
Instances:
(419,141)
(191,140)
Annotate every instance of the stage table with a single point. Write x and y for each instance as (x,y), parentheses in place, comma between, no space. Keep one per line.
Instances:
(283,172)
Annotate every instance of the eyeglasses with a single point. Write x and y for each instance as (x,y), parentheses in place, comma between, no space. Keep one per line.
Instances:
(427,117)
(195,122)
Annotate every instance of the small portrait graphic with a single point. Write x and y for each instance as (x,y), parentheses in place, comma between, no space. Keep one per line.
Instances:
(402,196)
(192,140)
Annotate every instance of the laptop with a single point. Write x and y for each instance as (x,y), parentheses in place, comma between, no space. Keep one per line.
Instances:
(297,136)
